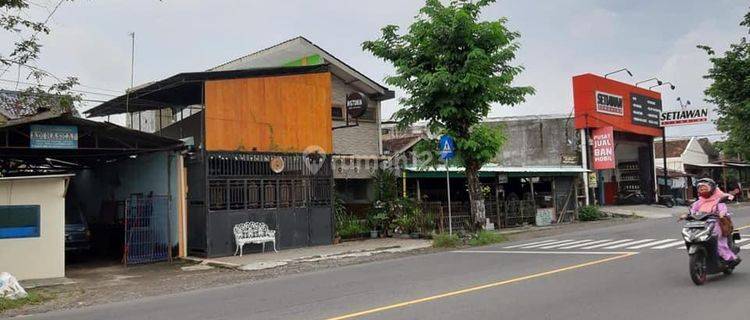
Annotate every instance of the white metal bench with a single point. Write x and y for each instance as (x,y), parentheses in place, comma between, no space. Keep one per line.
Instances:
(253,232)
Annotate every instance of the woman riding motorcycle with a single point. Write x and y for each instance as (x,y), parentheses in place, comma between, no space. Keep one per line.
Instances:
(709,201)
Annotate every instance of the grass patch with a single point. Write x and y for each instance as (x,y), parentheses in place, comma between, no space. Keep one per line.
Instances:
(445,240)
(484,237)
(34,297)
(589,213)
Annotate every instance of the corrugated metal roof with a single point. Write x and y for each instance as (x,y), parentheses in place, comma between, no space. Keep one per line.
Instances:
(503,169)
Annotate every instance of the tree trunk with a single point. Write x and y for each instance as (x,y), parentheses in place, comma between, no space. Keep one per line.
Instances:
(476,197)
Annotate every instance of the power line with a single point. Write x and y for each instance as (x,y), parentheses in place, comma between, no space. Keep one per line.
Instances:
(42,85)
(37,32)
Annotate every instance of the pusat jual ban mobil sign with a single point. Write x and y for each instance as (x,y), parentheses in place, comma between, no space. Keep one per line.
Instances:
(604,148)
(683,117)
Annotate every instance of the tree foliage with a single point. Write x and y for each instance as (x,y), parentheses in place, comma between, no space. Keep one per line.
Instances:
(730,93)
(453,67)
(25,52)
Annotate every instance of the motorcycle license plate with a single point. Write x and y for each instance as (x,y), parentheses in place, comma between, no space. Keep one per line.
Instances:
(695,224)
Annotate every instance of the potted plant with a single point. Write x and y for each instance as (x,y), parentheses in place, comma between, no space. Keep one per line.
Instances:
(376,218)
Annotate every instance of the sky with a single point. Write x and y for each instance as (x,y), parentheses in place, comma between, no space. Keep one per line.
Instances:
(559,39)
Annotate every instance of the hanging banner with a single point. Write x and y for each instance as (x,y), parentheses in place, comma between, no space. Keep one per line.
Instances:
(604,148)
(684,117)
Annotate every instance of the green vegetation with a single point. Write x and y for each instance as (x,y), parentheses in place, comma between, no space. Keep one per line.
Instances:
(444,240)
(351,227)
(485,237)
(34,297)
(453,67)
(589,213)
(729,75)
(347,225)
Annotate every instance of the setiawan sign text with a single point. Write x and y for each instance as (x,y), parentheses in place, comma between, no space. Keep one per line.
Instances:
(683,117)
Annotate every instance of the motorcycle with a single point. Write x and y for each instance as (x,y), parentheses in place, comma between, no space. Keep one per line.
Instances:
(666,200)
(630,198)
(701,244)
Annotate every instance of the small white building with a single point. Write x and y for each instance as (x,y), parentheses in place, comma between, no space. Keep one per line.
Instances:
(32,226)
(682,154)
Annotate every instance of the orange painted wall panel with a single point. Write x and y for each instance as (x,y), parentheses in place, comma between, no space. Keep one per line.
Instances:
(269,114)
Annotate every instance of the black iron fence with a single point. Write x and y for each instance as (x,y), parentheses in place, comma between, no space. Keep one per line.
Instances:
(240,181)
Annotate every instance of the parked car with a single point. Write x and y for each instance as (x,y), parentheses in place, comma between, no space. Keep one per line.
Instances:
(77,232)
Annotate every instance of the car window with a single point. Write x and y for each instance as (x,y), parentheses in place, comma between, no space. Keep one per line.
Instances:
(73,215)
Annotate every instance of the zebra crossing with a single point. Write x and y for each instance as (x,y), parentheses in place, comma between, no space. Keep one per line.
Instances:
(614,244)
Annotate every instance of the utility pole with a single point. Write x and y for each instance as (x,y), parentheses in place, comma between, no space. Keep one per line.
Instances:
(127,92)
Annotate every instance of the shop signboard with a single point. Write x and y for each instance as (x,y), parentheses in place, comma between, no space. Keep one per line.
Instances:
(593,181)
(604,148)
(356,104)
(609,103)
(645,110)
(543,217)
(569,159)
(53,137)
(600,102)
(684,117)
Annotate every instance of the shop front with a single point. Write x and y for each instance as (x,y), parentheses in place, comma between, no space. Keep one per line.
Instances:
(618,121)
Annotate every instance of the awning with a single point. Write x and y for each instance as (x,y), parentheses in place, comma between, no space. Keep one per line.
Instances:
(739,165)
(494,170)
(84,143)
(705,165)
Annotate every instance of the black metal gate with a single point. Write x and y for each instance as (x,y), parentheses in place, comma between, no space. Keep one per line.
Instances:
(147,230)
(296,202)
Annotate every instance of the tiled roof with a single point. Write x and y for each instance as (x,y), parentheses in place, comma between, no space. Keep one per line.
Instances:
(675,148)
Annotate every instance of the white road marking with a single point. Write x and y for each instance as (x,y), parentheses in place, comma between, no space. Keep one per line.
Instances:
(653,243)
(565,244)
(745,247)
(742,240)
(529,244)
(546,244)
(547,252)
(628,243)
(669,245)
(586,244)
(607,244)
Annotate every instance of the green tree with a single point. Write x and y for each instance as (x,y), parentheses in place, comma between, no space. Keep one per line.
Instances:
(24,52)
(453,67)
(730,93)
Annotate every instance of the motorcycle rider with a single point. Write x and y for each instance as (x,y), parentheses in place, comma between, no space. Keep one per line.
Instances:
(709,200)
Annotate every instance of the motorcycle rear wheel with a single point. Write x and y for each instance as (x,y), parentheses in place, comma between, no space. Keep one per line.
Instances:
(698,268)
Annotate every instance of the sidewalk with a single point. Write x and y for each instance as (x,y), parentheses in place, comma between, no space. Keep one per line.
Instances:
(656,211)
(260,261)
(645,211)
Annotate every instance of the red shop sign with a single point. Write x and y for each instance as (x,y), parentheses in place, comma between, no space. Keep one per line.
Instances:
(604,148)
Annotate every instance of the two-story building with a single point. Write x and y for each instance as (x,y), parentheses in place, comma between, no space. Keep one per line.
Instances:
(357,147)
(270,131)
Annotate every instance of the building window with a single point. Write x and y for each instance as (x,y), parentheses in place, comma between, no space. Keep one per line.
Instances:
(369,115)
(337,112)
(19,222)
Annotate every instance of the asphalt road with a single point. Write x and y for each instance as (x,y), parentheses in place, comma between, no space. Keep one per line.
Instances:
(610,273)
